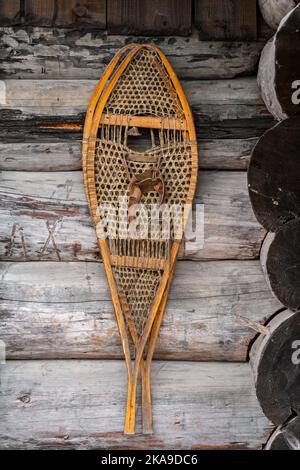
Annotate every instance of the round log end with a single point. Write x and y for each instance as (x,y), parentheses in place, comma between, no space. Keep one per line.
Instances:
(275,360)
(273,175)
(286,437)
(273,10)
(279,68)
(280,259)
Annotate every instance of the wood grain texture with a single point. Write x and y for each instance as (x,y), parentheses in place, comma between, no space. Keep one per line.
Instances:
(44,217)
(222,108)
(279,68)
(149,17)
(64,155)
(73,13)
(40,12)
(226,19)
(71,408)
(63,310)
(64,54)
(273,176)
(280,260)
(275,359)
(10,12)
(71,97)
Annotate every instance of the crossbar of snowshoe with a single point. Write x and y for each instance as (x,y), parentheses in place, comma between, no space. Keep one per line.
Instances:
(150,122)
(138,262)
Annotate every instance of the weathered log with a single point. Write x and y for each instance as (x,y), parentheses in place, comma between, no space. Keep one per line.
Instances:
(55,310)
(279,68)
(280,260)
(226,19)
(73,54)
(222,108)
(70,97)
(238,122)
(69,403)
(273,10)
(275,359)
(151,17)
(286,437)
(44,216)
(273,175)
(64,155)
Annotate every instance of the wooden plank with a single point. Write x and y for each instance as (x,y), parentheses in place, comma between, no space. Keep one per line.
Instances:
(44,216)
(10,12)
(149,17)
(81,14)
(64,155)
(195,406)
(65,54)
(226,19)
(74,13)
(40,12)
(63,310)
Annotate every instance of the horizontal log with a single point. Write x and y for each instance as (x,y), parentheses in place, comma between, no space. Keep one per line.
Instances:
(50,109)
(60,54)
(195,406)
(63,310)
(44,216)
(64,155)
(71,97)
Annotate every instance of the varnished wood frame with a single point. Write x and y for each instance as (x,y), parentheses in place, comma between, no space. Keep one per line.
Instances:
(93,119)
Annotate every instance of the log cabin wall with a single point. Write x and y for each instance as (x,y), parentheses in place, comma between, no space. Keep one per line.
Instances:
(56,313)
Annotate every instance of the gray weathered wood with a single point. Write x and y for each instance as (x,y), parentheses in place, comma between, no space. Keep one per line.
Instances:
(63,310)
(222,108)
(218,154)
(273,10)
(66,404)
(45,216)
(71,97)
(40,53)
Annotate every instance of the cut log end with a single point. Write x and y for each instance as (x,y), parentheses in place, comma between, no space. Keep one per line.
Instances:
(273,175)
(279,68)
(275,360)
(286,437)
(273,10)
(280,259)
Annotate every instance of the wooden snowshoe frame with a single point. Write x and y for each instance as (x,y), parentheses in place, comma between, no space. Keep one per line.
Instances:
(100,118)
